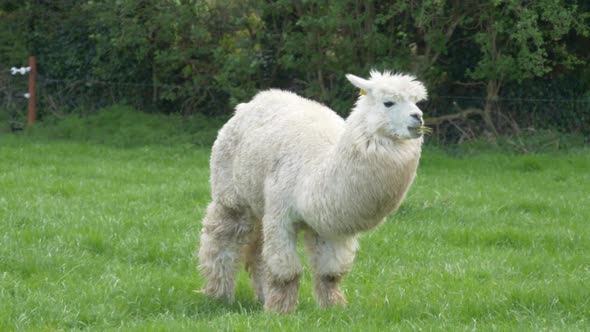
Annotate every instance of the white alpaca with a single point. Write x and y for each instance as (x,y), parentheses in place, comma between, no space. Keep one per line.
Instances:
(284,163)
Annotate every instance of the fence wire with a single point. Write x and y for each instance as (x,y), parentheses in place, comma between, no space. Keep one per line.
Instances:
(59,97)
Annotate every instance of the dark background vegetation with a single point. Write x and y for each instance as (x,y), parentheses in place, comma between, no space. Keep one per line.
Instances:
(492,67)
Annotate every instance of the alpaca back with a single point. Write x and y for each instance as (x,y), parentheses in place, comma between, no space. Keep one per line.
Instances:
(276,136)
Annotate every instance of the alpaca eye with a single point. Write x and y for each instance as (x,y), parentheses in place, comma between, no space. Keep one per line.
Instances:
(388,103)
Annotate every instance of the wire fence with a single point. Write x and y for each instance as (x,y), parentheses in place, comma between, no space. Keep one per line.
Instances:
(59,97)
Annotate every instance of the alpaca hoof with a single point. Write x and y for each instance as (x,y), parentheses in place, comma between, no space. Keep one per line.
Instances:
(328,293)
(218,294)
(282,297)
(331,299)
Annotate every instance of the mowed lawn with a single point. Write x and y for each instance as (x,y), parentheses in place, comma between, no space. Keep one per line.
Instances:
(103,238)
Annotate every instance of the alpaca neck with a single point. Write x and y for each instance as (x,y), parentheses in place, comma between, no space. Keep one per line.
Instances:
(363,178)
(372,162)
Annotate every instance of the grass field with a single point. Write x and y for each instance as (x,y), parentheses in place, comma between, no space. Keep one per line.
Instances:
(102,237)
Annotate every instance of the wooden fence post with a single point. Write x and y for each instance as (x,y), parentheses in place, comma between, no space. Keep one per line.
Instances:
(32,117)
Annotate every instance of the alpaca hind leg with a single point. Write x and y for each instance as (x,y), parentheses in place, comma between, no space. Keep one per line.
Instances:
(254,262)
(282,265)
(224,231)
(330,260)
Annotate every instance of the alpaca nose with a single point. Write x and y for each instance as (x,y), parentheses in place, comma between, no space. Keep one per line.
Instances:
(418,117)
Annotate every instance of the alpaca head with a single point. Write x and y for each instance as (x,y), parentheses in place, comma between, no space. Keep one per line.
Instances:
(389,101)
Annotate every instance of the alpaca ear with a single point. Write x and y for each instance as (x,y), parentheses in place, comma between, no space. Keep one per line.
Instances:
(365,85)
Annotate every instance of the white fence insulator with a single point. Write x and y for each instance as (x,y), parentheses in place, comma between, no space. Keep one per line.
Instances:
(21,70)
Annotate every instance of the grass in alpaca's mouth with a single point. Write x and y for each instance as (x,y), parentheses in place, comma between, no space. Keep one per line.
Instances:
(422,130)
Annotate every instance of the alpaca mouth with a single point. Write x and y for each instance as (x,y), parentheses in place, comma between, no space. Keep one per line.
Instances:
(420,130)
(414,132)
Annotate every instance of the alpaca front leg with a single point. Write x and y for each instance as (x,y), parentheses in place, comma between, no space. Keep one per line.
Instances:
(330,260)
(282,265)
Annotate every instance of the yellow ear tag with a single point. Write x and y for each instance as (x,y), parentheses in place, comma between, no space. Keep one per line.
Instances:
(363,92)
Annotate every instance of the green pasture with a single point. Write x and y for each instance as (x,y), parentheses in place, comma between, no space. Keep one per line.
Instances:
(99,236)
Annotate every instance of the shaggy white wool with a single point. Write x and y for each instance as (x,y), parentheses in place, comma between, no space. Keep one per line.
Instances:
(284,163)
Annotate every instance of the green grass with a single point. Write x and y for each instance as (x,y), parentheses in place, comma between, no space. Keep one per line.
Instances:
(122,126)
(102,236)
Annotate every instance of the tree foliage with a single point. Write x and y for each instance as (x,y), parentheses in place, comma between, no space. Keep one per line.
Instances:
(205,56)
